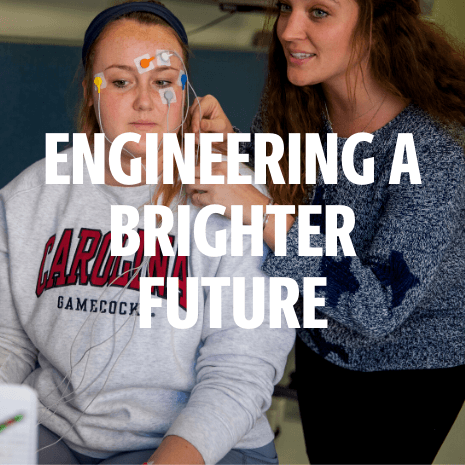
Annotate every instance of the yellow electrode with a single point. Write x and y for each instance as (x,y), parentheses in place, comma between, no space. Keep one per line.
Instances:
(98,83)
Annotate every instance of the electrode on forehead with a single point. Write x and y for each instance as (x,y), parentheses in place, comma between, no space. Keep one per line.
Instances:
(100,82)
(163,57)
(144,63)
(168,96)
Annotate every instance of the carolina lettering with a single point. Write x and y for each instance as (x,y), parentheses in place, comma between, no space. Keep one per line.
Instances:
(92,264)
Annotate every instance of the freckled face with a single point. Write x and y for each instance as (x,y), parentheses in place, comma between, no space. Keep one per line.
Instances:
(316,36)
(131,101)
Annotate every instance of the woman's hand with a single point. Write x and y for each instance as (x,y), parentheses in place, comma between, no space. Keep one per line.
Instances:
(210,118)
(225,194)
(176,450)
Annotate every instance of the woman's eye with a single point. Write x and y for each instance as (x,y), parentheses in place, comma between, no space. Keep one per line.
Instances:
(283,7)
(120,83)
(317,13)
(162,83)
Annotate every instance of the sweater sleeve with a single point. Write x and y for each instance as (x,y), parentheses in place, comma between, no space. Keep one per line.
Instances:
(18,354)
(417,228)
(236,369)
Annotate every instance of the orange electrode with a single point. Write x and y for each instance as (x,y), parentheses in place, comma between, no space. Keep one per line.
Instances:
(145,62)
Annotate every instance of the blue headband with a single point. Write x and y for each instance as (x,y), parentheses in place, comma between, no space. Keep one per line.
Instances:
(102,19)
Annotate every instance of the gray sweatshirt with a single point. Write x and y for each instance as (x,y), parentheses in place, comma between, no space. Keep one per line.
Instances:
(209,386)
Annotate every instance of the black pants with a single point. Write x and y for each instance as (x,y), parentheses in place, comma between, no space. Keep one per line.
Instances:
(386,417)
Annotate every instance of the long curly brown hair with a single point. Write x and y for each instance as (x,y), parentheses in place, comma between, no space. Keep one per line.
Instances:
(87,120)
(409,56)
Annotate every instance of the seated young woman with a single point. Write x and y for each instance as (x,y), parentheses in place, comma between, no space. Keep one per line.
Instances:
(110,391)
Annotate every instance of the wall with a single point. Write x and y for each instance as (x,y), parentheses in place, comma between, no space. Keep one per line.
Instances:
(451,15)
(40,88)
(65,22)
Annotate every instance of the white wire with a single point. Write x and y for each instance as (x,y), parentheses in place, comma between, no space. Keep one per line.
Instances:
(104,384)
(121,292)
(69,374)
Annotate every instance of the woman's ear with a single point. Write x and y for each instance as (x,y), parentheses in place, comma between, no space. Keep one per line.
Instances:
(88,99)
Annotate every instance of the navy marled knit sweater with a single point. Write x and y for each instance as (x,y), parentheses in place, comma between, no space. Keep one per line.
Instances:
(400,303)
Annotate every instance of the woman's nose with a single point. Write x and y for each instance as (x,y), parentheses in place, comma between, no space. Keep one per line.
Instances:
(294,27)
(144,100)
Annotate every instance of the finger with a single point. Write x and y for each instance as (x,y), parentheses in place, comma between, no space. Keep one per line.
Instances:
(207,109)
(216,125)
(193,116)
(196,199)
(202,199)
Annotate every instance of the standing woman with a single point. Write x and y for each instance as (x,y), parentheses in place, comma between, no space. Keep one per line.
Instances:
(381,383)
(110,391)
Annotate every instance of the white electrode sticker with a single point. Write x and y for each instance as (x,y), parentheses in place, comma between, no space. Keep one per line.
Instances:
(103,83)
(144,63)
(163,57)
